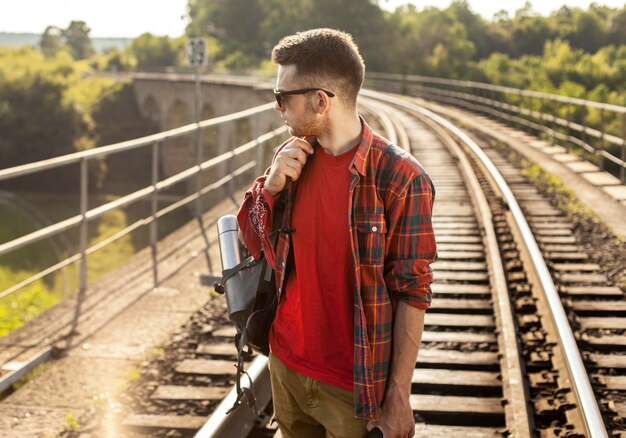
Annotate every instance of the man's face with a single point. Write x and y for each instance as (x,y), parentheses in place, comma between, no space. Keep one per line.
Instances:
(298,110)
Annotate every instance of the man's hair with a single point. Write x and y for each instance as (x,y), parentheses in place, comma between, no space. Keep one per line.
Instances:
(324,58)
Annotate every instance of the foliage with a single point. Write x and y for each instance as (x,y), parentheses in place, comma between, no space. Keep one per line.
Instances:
(572,45)
(77,38)
(51,106)
(155,51)
(33,95)
(252,27)
(50,42)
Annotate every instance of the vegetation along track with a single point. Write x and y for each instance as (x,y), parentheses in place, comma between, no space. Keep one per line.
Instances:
(490,363)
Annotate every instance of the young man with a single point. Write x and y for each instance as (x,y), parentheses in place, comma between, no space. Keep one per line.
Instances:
(352,259)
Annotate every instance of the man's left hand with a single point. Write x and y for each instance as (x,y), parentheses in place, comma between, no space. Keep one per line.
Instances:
(395,418)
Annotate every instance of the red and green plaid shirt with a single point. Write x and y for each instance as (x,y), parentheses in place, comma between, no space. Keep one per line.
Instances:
(393,242)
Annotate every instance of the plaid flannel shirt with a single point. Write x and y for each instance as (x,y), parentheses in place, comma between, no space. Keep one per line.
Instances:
(393,243)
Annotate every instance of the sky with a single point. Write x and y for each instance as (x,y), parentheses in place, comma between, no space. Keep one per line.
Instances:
(166,17)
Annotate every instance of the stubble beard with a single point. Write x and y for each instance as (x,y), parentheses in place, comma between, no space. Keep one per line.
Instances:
(309,124)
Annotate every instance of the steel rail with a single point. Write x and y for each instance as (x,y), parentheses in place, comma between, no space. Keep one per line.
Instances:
(384,119)
(484,86)
(566,341)
(241,420)
(450,97)
(133,197)
(519,420)
(102,151)
(18,370)
(129,229)
(471,95)
(613,139)
(521,121)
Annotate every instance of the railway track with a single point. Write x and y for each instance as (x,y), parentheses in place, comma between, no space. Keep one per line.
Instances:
(495,358)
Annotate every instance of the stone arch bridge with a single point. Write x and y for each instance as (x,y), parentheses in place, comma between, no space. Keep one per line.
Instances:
(168,100)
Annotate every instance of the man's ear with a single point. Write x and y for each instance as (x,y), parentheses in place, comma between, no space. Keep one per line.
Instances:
(322,102)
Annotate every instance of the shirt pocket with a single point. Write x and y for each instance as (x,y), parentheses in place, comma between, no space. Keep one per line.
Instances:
(371,231)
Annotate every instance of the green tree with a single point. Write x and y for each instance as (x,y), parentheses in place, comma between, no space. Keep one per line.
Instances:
(156,51)
(430,42)
(248,29)
(234,22)
(475,27)
(77,38)
(50,42)
(587,31)
(36,122)
(616,32)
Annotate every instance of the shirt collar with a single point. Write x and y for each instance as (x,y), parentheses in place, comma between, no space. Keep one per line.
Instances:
(359,163)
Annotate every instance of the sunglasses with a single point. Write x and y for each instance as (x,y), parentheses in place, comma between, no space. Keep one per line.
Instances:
(278,94)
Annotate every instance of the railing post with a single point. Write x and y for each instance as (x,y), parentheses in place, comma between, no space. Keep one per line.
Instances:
(230,163)
(530,112)
(84,207)
(567,126)
(154,208)
(583,134)
(600,149)
(622,169)
(199,154)
(554,113)
(260,149)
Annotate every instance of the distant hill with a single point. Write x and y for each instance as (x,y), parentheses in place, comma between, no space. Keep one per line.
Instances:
(32,39)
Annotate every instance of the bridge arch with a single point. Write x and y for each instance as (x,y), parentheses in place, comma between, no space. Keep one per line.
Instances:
(151,110)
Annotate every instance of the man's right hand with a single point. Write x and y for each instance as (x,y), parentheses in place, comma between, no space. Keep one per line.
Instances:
(288,163)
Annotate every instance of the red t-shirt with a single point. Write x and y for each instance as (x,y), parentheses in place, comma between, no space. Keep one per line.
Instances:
(313,333)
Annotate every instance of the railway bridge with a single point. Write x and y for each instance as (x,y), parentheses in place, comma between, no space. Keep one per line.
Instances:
(526,335)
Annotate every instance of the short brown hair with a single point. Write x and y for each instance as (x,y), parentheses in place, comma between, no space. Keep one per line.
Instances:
(326,55)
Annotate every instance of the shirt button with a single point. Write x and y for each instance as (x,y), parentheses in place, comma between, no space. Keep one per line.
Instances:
(283,264)
(374,229)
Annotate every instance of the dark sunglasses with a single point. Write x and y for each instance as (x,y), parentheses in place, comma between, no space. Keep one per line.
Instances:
(278,94)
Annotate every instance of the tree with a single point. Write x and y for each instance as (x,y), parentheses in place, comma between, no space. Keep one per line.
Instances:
(36,121)
(617,27)
(430,42)
(475,27)
(234,22)
(77,38)
(156,51)
(248,29)
(50,42)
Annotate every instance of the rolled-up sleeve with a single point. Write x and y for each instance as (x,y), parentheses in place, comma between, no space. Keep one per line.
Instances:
(255,221)
(255,217)
(410,243)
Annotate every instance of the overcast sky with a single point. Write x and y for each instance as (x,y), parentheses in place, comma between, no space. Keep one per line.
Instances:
(166,17)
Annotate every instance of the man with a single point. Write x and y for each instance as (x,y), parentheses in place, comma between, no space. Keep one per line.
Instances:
(352,258)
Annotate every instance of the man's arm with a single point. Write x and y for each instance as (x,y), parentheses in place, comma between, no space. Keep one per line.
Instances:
(410,251)
(255,213)
(396,417)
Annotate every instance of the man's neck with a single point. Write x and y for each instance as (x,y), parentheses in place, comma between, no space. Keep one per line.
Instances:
(343,134)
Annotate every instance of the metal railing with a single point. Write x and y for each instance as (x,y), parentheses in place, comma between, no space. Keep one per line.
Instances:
(597,129)
(152,191)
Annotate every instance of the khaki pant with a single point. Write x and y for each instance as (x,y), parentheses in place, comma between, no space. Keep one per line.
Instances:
(305,407)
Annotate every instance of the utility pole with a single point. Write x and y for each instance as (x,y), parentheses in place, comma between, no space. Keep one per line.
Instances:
(197,58)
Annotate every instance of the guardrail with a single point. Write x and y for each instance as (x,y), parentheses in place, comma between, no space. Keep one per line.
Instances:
(152,191)
(597,129)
